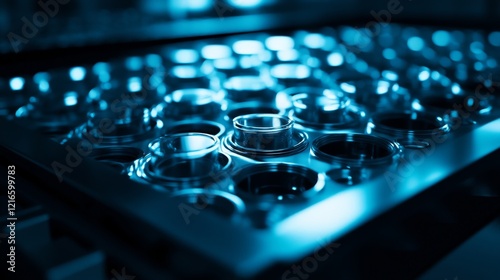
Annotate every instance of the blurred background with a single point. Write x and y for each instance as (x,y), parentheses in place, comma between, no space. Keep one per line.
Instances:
(45,24)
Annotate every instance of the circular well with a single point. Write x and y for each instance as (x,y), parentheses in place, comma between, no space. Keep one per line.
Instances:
(355,149)
(220,202)
(319,106)
(183,174)
(184,145)
(257,109)
(263,131)
(407,125)
(282,181)
(207,127)
(190,102)
(116,156)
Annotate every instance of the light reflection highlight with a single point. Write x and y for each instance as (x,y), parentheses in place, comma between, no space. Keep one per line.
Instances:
(16,83)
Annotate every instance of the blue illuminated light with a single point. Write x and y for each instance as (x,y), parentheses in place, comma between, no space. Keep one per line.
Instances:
(225,63)
(299,103)
(416,44)
(396,88)
(476,47)
(435,75)
(265,56)
(278,43)
(185,71)
(248,47)
(445,81)
(348,35)
(288,55)
(335,59)
(103,105)
(424,75)
(17,83)
(133,63)
(306,225)
(349,88)
(246,3)
(455,88)
(194,96)
(478,66)
(153,60)
(294,71)
(361,66)
(415,105)
(44,86)
(314,41)
(390,75)
(185,56)
(389,54)
(161,89)
(159,124)
(456,55)
(100,67)
(102,70)
(329,104)
(77,73)
(491,62)
(250,61)
(94,94)
(313,62)
(197,5)
(283,100)
(350,58)
(494,38)
(383,87)
(70,98)
(134,84)
(41,76)
(441,38)
(215,51)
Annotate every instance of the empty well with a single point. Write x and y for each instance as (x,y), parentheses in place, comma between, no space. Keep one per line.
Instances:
(283,181)
(219,202)
(355,149)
